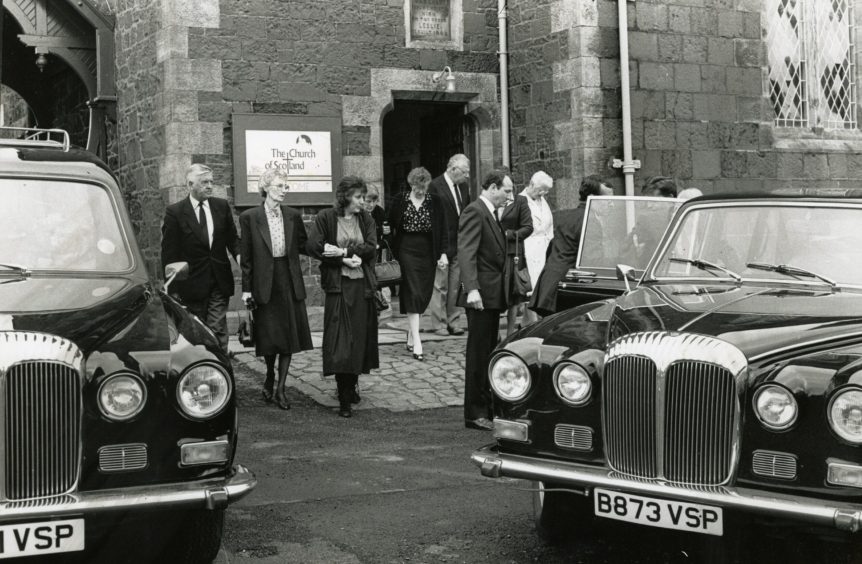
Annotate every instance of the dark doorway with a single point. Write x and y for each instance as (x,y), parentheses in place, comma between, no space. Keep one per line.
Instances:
(418,133)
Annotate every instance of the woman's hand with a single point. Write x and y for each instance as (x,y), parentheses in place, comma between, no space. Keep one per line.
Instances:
(443,262)
(352,262)
(246,297)
(333,251)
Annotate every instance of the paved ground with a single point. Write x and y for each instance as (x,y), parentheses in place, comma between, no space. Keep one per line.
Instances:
(400,384)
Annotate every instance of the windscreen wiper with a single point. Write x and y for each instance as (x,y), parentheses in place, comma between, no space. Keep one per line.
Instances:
(790,270)
(708,266)
(19,270)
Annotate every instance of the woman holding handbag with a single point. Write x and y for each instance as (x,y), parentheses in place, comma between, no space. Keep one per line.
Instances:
(420,238)
(344,239)
(273,236)
(517,224)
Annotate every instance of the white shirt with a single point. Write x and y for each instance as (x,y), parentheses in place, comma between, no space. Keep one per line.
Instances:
(207,213)
(453,191)
(488,205)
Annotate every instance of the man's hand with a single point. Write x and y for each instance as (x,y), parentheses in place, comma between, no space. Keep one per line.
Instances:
(352,262)
(386,230)
(333,251)
(474,300)
(443,262)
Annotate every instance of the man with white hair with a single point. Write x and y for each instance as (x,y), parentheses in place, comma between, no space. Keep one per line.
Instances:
(689,193)
(200,230)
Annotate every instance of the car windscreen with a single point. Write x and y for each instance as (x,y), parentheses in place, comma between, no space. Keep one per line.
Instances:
(57,225)
(623,230)
(767,241)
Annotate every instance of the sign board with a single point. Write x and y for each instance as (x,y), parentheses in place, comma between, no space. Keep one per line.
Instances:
(430,20)
(307,148)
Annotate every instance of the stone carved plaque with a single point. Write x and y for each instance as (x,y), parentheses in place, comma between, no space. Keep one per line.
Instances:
(430,20)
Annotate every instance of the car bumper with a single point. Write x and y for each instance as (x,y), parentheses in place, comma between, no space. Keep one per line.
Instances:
(200,494)
(842,516)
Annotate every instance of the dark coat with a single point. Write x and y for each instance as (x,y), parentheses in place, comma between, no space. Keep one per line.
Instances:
(440,188)
(517,219)
(562,255)
(184,240)
(439,227)
(325,230)
(257,261)
(482,256)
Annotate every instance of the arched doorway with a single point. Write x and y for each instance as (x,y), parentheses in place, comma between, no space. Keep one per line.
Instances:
(59,57)
(424,133)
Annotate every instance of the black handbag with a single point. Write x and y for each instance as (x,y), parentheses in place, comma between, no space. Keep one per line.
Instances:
(387,272)
(518,278)
(245,331)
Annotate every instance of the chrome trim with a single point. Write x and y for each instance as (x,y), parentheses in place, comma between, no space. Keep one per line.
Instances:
(756,395)
(774,464)
(655,353)
(203,494)
(177,393)
(556,381)
(17,346)
(839,515)
(574,437)
(493,360)
(123,458)
(835,395)
(134,377)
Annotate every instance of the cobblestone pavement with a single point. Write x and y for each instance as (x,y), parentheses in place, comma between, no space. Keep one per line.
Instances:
(400,384)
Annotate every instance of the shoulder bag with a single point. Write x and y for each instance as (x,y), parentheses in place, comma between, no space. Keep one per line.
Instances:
(388,272)
(518,278)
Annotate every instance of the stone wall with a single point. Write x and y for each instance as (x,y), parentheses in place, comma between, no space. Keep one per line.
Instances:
(700,106)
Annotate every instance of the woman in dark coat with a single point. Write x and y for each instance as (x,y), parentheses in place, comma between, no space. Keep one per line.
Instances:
(273,236)
(517,223)
(420,238)
(344,239)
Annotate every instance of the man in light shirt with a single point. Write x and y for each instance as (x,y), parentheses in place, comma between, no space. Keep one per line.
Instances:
(200,230)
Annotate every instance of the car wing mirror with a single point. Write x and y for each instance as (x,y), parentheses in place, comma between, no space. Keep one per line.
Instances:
(176,271)
(627,274)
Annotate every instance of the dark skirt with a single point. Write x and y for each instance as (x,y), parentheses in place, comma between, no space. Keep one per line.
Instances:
(349,330)
(281,325)
(418,268)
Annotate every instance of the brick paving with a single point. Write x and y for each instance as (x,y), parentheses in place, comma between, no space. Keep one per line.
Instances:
(400,384)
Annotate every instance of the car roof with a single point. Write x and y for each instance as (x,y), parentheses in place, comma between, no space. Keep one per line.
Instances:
(811,194)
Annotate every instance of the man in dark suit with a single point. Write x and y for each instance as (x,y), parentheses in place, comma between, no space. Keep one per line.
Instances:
(563,250)
(200,230)
(451,188)
(482,251)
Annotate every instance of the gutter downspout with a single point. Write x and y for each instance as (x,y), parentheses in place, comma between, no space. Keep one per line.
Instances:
(504,80)
(628,164)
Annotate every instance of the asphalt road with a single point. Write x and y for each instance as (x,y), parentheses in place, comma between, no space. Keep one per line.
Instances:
(386,487)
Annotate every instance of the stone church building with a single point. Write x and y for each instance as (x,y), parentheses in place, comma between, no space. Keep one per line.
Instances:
(725,95)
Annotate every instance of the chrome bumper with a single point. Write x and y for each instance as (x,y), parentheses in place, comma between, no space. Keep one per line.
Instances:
(201,494)
(842,516)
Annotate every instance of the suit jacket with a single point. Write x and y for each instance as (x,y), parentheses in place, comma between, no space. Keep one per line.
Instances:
(325,230)
(562,255)
(439,227)
(482,256)
(517,218)
(258,263)
(184,240)
(440,188)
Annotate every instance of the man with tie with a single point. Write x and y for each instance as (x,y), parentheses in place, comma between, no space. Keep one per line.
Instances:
(200,230)
(482,252)
(452,190)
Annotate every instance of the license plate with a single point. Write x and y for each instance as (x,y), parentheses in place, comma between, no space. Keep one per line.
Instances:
(46,537)
(678,515)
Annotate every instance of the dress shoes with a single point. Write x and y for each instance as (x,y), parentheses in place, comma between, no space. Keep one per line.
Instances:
(442,332)
(481,424)
(455,330)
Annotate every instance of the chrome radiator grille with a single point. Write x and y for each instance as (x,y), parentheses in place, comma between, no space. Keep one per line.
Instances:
(42,404)
(671,407)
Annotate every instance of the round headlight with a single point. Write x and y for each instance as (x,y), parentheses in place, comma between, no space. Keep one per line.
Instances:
(775,407)
(122,397)
(203,391)
(573,384)
(510,377)
(845,415)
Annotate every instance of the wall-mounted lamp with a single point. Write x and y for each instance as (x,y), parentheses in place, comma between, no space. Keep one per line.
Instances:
(445,74)
(41,60)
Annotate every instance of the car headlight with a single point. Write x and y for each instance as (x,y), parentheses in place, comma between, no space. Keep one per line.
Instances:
(573,384)
(510,377)
(775,407)
(203,391)
(845,415)
(122,396)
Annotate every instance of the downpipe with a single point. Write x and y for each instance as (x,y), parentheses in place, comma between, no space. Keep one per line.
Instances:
(503,53)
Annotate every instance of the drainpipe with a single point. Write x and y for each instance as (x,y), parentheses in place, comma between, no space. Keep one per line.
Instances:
(628,164)
(504,80)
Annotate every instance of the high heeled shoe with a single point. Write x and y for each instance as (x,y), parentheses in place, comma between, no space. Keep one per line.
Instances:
(419,356)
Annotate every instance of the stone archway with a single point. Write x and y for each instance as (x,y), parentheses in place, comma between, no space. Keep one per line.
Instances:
(82,37)
(477,90)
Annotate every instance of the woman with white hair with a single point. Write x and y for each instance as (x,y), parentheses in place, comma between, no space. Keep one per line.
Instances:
(536,245)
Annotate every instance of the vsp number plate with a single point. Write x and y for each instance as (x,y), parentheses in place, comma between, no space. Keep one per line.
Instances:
(46,537)
(663,513)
